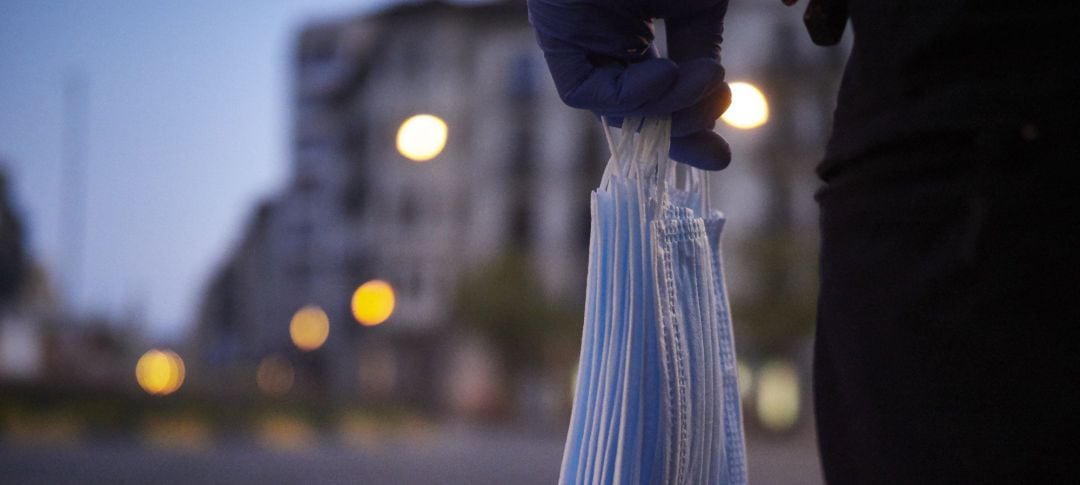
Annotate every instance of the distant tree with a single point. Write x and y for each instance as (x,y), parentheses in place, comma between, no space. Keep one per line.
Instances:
(13,260)
(777,314)
(505,303)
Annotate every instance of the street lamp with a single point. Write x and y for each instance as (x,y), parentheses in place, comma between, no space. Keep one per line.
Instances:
(373,303)
(309,328)
(422,137)
(159,372)
(748,109)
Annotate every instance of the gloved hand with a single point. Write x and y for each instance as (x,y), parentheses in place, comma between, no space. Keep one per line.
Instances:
(601,56)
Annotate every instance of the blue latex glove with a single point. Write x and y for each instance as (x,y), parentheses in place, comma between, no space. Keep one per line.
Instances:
(602,58)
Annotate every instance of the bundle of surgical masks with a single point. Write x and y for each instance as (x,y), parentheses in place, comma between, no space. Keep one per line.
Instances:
(656,399)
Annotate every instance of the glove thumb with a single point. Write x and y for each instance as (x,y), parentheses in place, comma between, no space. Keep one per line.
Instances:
(702,149)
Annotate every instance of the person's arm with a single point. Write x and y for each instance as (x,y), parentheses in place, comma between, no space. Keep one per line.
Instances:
(825,20)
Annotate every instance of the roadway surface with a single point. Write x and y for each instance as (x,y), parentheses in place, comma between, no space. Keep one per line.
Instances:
(455,455)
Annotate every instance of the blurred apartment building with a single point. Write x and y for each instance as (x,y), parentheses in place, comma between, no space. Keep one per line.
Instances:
(515,174)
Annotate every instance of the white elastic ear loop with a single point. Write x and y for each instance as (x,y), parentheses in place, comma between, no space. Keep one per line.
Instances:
(613,160)
(622,151)
(706,193)
(630,146)
(647,156)
(655,139)
(661,138)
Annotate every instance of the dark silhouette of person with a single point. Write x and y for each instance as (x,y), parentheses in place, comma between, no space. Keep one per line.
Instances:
(946,348)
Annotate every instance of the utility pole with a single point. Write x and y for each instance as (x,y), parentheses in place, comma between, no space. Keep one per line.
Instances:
(73,191)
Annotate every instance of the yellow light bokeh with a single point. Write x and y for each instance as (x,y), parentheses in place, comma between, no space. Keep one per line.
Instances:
(309,328)
(745,379)
(778,400)
(422,137)
(274,376)
(748,109)
(160,372)
(373,302)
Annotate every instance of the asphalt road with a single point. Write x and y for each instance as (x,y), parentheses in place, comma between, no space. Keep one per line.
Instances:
(454,456)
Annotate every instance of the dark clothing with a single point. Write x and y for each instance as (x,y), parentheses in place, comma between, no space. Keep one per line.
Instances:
(921,66)
(946,347)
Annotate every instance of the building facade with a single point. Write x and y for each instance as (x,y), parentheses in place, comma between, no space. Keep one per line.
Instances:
(515,175)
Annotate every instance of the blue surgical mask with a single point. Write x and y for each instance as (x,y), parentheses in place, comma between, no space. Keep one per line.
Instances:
(656,400)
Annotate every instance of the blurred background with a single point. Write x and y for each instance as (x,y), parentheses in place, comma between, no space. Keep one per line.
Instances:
(324,241)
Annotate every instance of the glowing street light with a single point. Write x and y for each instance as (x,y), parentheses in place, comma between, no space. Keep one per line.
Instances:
(373,302)
(422,137)
(748,109)
(309,328)
(159,372)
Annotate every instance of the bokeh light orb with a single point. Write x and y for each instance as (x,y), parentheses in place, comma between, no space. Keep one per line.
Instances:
(159,372)
(748,109)
(309,328)
(745,379)
(778,396)
(373,302)
(422,137)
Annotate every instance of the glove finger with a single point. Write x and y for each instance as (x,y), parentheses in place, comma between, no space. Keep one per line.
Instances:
(704,149)
(603,85)
(697,80)
(651,87)
(703,114)
(693,35)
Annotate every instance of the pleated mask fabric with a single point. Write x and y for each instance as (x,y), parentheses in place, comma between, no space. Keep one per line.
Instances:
(656,400)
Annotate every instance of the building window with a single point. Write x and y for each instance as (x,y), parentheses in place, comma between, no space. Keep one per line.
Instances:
(522,91)
(522,152)
(305,182)
(413,56)
(409,210)
(318,51)
(352,198)
(521,81)
(520,224)
(416,284)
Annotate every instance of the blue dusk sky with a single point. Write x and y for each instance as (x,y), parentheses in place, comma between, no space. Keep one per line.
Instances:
(187,116)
